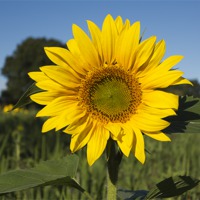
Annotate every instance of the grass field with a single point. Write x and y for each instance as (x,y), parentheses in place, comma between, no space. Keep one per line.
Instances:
(22,145)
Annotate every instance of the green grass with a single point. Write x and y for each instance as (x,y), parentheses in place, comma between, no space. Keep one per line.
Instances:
(23,145)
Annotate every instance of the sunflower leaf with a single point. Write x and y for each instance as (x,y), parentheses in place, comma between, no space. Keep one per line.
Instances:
(187,119)
(172,187)
(131,195)
(51,172)
(25,98)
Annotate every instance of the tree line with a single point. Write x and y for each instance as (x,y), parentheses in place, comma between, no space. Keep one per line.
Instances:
(29,56)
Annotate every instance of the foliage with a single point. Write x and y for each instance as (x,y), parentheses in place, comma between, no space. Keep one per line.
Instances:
(28,56)
(187,119)
(21,132)
(171,187)
(195,90)
(51,172)
(189,90)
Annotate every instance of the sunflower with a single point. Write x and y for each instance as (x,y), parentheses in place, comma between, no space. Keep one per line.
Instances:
(108,85)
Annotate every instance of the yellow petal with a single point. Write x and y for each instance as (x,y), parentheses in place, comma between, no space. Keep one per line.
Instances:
(56,107)
(73,114)
(156,58)
(139,148)
(160,99)
(119,23)
(57,122)
(169,63)
(109,35)
(164,67)
(160,79)
(77,62)
(63,57)
(124,148)
(126,141)
(50,85)
(148,122)
(181,80)
(127,24)
(49,124)
(158,54)
(73,47)
(60,121)
(43,98)
(57,55)
(44,82)
(86,47)
(128,134)
(38,76)
(158,136)
(81,138)
(78,125)
(61,75)
(127,45)
(162,113)
(144,52)
(114,128)
(96,37)
(65,119)
(97,144)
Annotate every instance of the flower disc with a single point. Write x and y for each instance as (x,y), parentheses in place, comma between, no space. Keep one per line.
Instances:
(110,94)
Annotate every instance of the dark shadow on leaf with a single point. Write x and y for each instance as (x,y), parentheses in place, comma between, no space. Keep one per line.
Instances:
(130,194)
(172,187)
(179,123)
(66,181)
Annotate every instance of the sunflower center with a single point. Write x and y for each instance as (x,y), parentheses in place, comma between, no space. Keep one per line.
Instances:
(110,94)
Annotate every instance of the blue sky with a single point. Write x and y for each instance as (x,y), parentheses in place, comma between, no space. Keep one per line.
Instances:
(177,22)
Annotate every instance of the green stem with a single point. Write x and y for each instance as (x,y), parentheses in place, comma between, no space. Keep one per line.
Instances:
(87,195)
(114,160)
(17,136)
(111,189)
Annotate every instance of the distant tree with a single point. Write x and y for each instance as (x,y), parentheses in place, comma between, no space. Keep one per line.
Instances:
(28,56)
(186,89)
(195,89)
